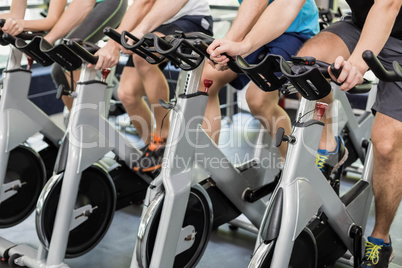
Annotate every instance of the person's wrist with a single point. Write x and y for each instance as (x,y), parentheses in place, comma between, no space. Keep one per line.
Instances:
(233,38)
(245,47)
(50,39)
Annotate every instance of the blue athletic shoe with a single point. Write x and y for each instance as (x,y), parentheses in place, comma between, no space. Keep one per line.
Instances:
(377,253)
(328,162)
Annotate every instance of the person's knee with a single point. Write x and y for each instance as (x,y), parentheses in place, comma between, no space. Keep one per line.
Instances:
(128,98)
(384,147)
(259,105)
(325,46)
(219,79)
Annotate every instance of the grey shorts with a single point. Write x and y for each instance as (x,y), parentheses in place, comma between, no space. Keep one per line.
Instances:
(389,95)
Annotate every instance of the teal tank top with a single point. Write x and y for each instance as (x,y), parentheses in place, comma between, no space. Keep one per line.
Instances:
(306,22)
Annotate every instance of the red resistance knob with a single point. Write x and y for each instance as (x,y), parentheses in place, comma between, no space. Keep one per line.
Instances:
(105,73)
(207,84)
(320,108)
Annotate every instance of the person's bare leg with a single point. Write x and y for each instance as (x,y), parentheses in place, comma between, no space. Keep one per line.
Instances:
(386,136)
(326,46)
(130,93)
(156,87)
(212,116)
(264,106)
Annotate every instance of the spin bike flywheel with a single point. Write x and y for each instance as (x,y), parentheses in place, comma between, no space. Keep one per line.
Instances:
(97,190)
(198,214)
(26,175)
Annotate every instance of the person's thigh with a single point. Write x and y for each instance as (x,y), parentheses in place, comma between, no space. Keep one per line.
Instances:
(339,39)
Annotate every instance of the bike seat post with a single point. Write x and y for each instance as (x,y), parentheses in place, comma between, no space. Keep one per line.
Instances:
(14,59)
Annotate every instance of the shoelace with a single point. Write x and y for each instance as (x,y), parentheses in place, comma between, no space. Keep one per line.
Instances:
(320,161)
(372,252)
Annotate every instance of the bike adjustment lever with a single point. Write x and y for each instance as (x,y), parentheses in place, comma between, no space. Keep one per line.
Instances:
(62,91)
(280,137)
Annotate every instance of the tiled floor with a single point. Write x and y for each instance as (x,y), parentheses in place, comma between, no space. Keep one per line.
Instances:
(227,248)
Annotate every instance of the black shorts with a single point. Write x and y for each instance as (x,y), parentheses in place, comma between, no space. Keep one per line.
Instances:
(185,24)
(389,94)
(286,45)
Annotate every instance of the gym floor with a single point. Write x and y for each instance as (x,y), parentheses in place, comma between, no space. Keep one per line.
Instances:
(227,247)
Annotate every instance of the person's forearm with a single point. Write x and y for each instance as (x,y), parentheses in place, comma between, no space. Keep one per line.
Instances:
(17,10)
(376,30)
(161,11)
(76,13)
(135,14)
(56,9)
(275,20)
(248,14)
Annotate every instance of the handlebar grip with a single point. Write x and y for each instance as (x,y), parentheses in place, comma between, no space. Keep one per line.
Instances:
(2,22)
(378,69)
(9,38)
(334,71)
(233,65)
(82,52)
(202,49)
(397,69)
(113,34)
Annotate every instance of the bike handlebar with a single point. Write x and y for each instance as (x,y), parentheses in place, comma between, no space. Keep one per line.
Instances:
(378,69)
(306,74)
(6,39)
(187,51)
(84,53)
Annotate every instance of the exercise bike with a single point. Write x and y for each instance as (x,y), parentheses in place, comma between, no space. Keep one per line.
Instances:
(206,189)
(24,169)
(306,224)
(77,204)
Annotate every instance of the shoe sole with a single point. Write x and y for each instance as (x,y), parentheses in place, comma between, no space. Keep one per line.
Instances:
(392,256)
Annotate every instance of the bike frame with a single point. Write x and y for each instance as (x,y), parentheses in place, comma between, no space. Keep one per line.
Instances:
(176,182)
(20,118)
(304,192)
